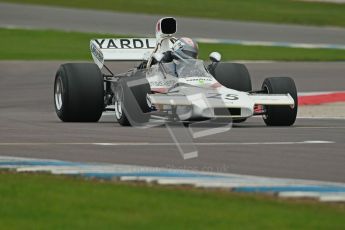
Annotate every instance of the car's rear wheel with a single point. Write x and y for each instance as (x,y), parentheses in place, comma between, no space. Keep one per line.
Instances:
(131,106)
(79,93)
(280,115)
(234,76)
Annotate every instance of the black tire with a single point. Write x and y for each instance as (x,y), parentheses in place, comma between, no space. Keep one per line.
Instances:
(119,114)
(280,115)
(134,107)
(78,92)
(232,75)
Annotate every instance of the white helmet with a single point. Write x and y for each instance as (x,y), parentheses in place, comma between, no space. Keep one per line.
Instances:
(186,48)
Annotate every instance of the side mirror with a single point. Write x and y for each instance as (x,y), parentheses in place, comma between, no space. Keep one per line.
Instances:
(215,57)
(158,56)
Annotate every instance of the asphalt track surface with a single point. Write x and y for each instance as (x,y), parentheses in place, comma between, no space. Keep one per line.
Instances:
(30,128)
(43,17)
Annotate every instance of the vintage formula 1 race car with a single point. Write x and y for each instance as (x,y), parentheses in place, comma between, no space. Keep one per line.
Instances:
(170,83)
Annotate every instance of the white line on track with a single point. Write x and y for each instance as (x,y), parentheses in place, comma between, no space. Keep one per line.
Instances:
(322,118)
(167,144)
(319,127)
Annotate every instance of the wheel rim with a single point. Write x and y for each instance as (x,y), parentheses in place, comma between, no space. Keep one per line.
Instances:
(118,103)
(58,93)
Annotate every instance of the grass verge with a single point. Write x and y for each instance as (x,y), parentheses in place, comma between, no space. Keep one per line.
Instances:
(277,11)
(34,201)
(22,44)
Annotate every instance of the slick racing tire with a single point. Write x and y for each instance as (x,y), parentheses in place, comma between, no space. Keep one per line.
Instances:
(280,115)
(131,106)
(79,93)
(232,75)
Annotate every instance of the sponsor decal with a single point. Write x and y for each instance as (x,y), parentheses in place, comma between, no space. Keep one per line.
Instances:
(168,83)
(96,53)
(198,79)
(125,43)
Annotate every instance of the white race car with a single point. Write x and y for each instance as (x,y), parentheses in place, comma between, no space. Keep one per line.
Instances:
(175,88)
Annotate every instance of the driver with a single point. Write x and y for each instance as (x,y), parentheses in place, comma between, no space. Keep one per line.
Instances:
(183,48)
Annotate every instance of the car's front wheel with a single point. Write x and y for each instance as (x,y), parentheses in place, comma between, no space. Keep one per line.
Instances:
(280,115)
(131,107)
(119,103)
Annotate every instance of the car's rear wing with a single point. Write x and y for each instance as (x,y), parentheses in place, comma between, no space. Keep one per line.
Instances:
(121,49)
